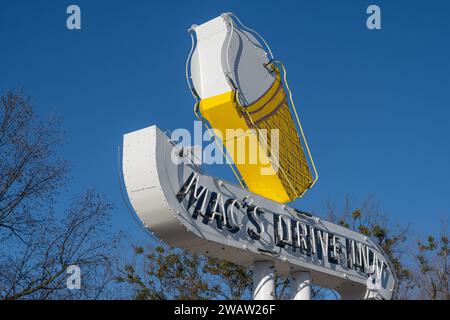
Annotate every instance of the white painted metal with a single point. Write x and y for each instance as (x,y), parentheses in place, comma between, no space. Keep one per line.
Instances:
(348,291)
(263,280)
(142,178)
(223,49)
(143,185)
(301,285)
(206,65)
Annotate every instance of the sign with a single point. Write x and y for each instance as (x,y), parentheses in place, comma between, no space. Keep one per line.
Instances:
(188,208)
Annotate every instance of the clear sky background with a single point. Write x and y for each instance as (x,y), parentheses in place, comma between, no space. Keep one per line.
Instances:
(375,105)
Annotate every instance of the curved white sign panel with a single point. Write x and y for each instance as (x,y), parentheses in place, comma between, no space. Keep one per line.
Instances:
(187,208)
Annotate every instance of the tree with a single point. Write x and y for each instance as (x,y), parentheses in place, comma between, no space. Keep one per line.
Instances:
(432,272)
(170,273)
(37,243)
(30,174)
(161,273)
(391,237)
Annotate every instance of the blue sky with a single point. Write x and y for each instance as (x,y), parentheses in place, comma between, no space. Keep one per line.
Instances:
(374,104)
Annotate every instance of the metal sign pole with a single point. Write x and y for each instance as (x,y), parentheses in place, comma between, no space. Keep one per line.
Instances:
(263,280)
(301,285)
